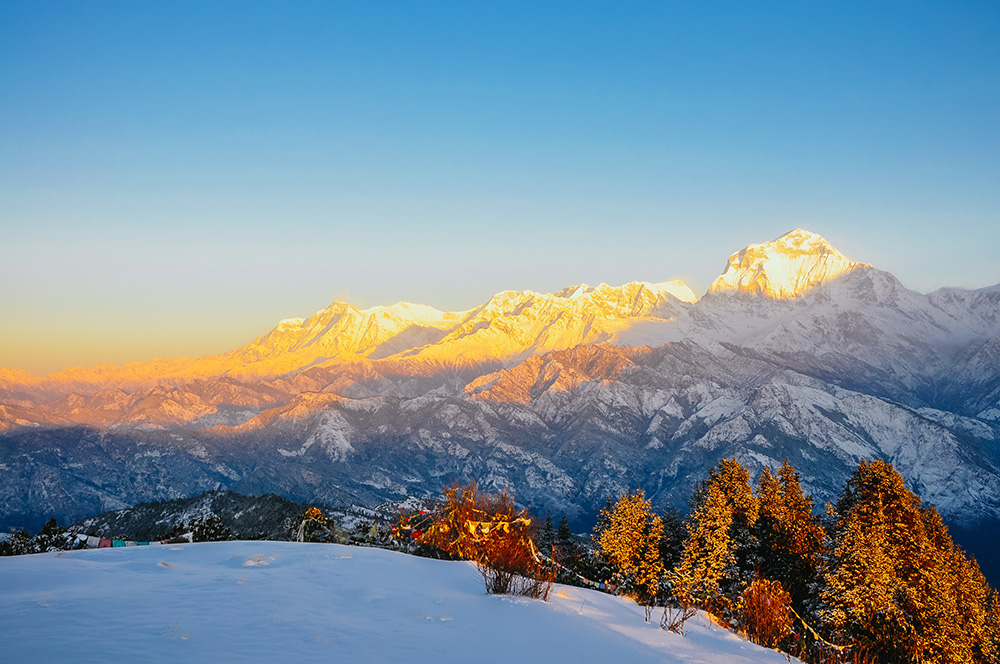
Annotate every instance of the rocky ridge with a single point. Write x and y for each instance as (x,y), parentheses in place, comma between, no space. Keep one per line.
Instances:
(795,352)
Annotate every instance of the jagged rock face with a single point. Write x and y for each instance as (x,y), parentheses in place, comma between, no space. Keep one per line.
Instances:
(567,398)
(589,423)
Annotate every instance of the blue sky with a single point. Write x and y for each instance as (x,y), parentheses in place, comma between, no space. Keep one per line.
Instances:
(175,178)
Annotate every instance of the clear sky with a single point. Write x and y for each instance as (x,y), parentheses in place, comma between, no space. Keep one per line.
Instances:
(175,177)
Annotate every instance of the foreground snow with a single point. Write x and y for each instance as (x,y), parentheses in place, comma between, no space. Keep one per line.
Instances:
(290,602)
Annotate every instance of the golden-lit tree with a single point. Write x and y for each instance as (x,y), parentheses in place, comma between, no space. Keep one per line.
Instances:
(630,542)
(708,551)
(789,537)
(896,586)
(718,558)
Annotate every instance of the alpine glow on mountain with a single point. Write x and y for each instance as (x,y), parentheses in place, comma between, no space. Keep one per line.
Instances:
(786,267)
(511,325)
(795,353)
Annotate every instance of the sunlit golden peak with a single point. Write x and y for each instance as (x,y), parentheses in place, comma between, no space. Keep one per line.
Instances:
(783,268)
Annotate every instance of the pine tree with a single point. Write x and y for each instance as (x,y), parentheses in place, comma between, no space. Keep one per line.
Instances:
(708,551)
(547,535)
(896,586)
(565,544)
(734,482)
(17,543)
(206,528)
(593,563)
(210,528)
(603,519)
(720,554)
(769,502)
(630,541)
(789,537)
(674,535)
(52,537)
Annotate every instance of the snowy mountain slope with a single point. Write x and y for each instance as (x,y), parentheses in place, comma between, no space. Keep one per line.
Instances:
(511,325)
(338,332)
(575,426)
(863,331)
(341,331)
(515,325)
(680,408)
(199,403)
(565,431)
(76,472)
(283,601)
(566,397)
(15,416)
(787,267)
(790,298)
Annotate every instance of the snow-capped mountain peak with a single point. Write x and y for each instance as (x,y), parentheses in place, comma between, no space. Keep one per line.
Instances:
(677,288)
(568,397)
(784,268)
(674,287)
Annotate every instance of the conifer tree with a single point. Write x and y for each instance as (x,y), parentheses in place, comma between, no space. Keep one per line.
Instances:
(52,537)
(719,558)
(603,519)
(708,551)
(593,562)
(547,535)
(630,542)
(674,535)
(789,537)
(206,528)
(896,586)
(210,528)
(17,543)
(565,544)
(734,482)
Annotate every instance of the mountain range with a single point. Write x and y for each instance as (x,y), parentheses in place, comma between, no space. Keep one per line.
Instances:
(795,352)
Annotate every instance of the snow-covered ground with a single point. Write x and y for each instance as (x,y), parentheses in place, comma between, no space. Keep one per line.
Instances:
(291,602)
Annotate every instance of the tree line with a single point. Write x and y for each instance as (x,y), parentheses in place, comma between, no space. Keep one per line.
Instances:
(876,579)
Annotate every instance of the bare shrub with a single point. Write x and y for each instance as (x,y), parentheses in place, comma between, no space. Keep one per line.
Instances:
(766,616)
(673,618)
(503,575)
(507,561)
(491,531)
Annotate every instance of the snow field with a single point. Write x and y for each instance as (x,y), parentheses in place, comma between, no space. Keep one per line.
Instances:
(292,602)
